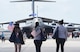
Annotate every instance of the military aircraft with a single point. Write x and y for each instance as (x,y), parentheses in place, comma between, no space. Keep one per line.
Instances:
(28,28)
(42,20)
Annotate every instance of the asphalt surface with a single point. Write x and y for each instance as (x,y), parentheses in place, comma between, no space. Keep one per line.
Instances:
(71,45)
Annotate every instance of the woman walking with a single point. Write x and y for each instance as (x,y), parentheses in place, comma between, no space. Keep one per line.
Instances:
(17,37)
(62,36)
(37,37)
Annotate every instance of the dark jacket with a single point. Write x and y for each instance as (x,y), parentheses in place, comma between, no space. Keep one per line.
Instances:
(13,36)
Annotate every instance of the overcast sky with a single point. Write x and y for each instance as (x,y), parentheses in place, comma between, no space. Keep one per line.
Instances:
(69,10)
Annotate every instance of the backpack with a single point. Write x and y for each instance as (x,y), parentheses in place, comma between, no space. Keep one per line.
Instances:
(43,37)
(55,36)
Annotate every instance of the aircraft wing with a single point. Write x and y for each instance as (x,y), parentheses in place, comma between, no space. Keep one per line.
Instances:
(44,20)
(75,24)
(18,21)
(4,23)
(47,20)
(56,21)
(71,23)
(24,20)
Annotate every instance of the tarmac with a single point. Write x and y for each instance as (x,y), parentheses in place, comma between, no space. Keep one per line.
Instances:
(71,45)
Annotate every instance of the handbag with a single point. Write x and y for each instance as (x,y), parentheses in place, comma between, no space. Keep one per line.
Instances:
(55,36)
(35,33)
(12,37)
(43,37)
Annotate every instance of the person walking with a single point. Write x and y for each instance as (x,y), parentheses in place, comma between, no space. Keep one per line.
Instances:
(62,36)
(2,37)
(37,37)
(17,37)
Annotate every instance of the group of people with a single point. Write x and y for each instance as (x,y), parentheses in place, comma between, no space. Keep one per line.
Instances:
(17,39)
